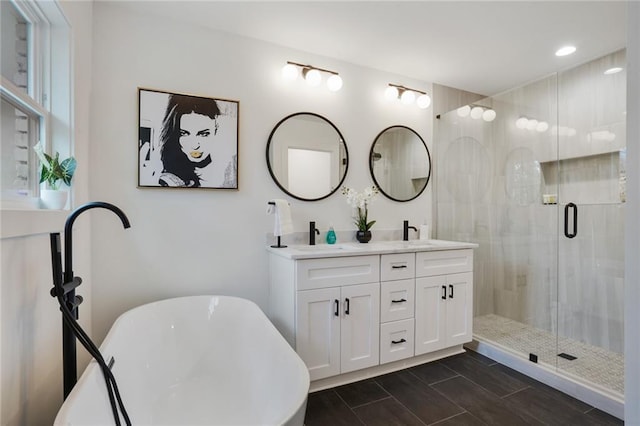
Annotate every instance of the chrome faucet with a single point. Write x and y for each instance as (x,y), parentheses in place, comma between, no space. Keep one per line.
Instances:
(312,233)
(405,230)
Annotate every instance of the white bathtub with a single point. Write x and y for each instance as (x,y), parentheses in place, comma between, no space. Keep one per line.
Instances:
(201,360)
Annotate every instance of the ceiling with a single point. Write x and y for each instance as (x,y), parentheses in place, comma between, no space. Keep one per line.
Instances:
(484,47)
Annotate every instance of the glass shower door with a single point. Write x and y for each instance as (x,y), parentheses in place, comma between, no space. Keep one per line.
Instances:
(591,193)
(491,190)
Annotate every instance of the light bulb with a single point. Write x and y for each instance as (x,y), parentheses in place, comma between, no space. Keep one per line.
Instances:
(334,83)
(289,72)
(476,112)
(423,101)
(391,93)
(407,97)
(613,70)
(542,126)
(489,115)
(463,111)
(312,77)
(566,50)
(521,123)
(532,124)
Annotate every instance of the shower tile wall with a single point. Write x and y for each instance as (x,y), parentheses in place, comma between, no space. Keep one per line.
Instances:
(491,179)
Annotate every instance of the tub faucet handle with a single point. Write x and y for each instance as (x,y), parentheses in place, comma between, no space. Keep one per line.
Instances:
(313,231)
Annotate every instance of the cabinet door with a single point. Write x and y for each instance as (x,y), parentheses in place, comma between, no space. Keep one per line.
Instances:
(430,313)
(459,308)
(360,326)
(318,331)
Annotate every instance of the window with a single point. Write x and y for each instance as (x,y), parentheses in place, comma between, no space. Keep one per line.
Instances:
(35,57)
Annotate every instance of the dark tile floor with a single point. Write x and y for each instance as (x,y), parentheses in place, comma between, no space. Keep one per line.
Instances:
(466,389)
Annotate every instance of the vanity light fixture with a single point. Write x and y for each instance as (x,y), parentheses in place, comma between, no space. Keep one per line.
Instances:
(476,112)
(407,96)
(532,124)
(312,75)
(463,111)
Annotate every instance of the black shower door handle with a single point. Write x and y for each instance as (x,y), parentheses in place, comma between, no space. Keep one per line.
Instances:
(566,220)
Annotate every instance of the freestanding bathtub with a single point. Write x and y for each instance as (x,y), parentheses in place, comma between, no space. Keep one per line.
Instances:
(200,360)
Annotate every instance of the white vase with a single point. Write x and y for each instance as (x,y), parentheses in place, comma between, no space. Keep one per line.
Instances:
(53,199)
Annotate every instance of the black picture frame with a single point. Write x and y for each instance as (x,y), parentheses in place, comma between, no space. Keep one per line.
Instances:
(187,141)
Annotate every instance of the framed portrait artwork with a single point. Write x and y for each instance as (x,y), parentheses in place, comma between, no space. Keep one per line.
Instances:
(187,141)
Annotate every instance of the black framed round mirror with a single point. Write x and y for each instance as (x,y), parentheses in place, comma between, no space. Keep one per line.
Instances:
(400,163)
(307,156)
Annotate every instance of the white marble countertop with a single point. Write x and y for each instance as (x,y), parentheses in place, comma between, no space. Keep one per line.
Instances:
(296,251)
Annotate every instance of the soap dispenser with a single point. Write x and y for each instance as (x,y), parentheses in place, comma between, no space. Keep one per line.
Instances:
(331,235)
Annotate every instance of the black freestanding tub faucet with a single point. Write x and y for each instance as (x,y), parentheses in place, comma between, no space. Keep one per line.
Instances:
(65,285)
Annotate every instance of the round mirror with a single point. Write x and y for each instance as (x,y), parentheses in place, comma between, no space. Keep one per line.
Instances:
(307,156)
(400,163)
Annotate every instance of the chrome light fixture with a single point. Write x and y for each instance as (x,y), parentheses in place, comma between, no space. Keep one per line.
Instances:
(311,75)
(407,96)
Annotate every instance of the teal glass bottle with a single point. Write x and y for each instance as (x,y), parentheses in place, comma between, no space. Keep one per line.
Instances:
(331,236)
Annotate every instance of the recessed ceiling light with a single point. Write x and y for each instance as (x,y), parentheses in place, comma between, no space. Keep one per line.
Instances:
(566,50)
(613,70)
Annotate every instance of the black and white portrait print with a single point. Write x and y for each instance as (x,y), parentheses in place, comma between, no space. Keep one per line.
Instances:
(187,141)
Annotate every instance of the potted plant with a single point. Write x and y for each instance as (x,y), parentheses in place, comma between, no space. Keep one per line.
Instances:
(54,173)
(360,201)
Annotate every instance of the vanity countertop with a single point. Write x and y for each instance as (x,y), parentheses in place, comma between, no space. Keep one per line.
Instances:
(357,249)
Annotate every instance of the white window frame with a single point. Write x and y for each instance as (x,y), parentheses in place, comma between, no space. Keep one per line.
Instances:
(49,31)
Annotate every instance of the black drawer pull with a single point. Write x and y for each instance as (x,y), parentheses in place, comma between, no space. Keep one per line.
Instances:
(346,306)
(337,311)
(444,292)
(398,266)
(399,300)
(450,291)
(396,342)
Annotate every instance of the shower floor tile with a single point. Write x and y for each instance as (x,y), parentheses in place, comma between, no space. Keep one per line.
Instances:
(592,364)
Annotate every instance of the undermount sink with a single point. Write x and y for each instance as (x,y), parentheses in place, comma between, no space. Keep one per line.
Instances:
(326,247)
(413,244)
(416,244)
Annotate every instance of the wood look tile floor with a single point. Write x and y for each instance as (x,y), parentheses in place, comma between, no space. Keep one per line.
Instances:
(466,389)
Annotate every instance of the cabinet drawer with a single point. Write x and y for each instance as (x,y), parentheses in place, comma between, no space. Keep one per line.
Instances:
(337,271)
(397,301)
(397,266)
(443,262)
(396,340)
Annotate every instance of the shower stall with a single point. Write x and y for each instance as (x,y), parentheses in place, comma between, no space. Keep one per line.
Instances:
(540,186)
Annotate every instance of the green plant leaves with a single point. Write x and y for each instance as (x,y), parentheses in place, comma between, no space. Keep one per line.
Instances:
(53,172)
(68,168)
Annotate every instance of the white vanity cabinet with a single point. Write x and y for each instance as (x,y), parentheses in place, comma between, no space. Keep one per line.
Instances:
(336,324)
(351,312)
(444,299)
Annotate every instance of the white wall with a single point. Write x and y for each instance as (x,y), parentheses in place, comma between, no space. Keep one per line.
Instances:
(31,334)
(185,241)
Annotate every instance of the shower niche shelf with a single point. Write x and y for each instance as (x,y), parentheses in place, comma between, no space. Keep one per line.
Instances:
(593,179)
